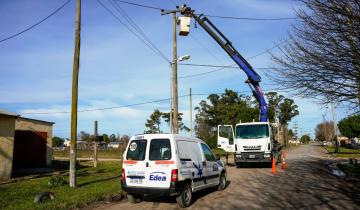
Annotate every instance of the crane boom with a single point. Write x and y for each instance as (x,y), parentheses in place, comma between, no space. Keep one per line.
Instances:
(253,78)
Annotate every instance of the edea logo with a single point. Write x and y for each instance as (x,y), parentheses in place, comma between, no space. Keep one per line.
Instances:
(157,176)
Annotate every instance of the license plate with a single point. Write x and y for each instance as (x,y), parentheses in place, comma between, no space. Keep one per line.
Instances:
(252,156)
(136,181)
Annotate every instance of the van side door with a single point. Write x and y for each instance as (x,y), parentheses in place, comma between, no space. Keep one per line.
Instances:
(210,166)
(225,138)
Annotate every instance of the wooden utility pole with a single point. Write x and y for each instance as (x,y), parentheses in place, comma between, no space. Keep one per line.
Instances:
(74,98)
(324,123)
(95,143)
(191,126)
(174,78)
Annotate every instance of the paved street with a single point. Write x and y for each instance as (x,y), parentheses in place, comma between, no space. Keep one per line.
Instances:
(306,184)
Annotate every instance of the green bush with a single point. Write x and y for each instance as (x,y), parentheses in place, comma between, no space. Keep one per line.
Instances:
(56,181)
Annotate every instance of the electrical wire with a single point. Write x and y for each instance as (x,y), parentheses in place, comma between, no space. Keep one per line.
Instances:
(132,105)
(214,16)
(132,31)
(36,24)
(137,28)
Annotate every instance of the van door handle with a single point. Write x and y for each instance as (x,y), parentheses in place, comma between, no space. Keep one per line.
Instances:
(147,164)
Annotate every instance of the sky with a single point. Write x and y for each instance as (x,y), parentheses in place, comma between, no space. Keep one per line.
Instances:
(117,69)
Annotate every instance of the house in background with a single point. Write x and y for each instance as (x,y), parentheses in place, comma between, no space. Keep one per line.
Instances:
(24,143)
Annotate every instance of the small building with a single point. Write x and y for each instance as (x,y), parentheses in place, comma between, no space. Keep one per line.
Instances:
(114,145)
(24,143)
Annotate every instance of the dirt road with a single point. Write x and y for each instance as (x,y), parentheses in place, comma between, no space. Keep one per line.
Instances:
(305,184)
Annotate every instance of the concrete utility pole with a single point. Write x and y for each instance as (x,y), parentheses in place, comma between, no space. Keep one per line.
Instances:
(95,143)
(335,130)
(74,98)
(324,124)
(174,77)
(191,126)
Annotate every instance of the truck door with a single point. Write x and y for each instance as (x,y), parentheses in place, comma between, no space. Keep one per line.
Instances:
(225,139)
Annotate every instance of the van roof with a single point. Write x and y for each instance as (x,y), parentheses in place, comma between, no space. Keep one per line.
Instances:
(164,135)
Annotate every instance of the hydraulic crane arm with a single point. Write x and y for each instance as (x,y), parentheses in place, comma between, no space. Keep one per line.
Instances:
(253,78)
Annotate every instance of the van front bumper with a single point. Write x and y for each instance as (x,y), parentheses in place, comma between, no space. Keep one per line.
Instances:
(174,189)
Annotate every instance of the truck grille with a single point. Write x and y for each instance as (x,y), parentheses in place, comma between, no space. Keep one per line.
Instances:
(252,148)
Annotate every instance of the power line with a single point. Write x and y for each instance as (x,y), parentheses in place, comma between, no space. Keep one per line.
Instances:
(217,66)
(253,19)
(136,27)
(131,105)
(214,16)
(133,32)
(36,24)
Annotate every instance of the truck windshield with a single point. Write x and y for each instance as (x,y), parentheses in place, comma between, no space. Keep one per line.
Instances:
(252,131)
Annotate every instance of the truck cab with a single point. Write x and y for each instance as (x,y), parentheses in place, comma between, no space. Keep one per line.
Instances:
(251,142)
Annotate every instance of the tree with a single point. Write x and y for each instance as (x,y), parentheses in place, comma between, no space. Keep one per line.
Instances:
(112,138)
(350,126)
(321,58)
(106,138)
(287,110)
(182,127)
(153,123)
(57,141)
(227,108)
(273,101)
(325,131)
(305,139)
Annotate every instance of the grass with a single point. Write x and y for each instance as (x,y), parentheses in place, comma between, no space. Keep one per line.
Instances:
(344,152)
(350,170)
(109,153)
(93,184)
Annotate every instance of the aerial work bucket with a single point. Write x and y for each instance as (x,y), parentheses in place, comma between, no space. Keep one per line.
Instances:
(184,25)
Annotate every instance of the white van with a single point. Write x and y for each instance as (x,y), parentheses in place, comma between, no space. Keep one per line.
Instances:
(170,164)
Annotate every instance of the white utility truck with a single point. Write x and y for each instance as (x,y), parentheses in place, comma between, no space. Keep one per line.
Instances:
(251,142)
(170,164)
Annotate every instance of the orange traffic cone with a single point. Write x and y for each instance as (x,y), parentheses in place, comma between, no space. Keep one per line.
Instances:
(273,168)
(283,162)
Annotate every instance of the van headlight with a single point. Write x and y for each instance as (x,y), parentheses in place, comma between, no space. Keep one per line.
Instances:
(266,155)
(238,155)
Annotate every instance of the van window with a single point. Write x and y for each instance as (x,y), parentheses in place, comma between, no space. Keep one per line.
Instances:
(160,149)
(207,152)
(136,150)
(189,151)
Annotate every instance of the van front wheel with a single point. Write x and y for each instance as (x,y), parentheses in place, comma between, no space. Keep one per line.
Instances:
(222,182)
(184,199)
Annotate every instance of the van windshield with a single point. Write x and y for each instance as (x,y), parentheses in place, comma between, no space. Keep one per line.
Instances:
(252,131)
(160,149)
(136,150)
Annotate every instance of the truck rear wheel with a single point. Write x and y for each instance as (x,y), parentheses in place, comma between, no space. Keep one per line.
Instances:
(185,197)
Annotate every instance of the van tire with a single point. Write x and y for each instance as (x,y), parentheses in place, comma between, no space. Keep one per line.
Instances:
(222,182)
(185,196)
(134,198)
